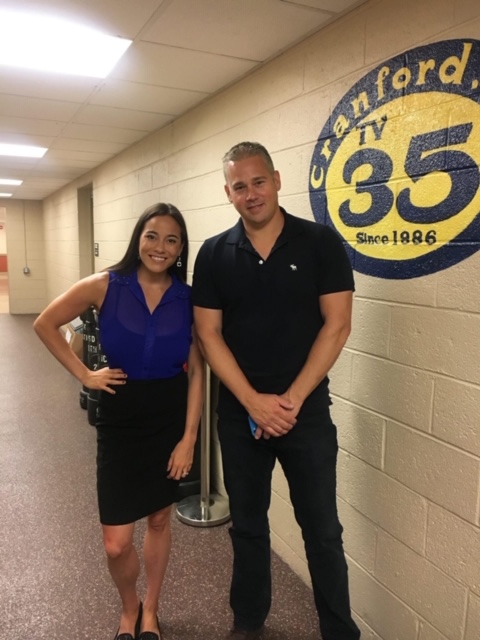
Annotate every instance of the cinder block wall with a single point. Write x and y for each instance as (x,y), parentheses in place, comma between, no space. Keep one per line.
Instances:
(61,234)
(407,387)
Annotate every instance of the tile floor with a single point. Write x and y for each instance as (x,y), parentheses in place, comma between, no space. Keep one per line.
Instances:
(53,580)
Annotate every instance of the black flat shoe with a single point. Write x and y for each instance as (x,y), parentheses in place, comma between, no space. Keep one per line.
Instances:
(151,635)
(138,622)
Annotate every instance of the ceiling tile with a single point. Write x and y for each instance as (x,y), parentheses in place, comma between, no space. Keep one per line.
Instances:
(115,17)
(335,6)
(248,29)
(19,137)
(107,134)
(29,126)
(84,156)
(146,97)
(9,166)
(37,108)
(37,182)
(179,68)
(37,84)
(94,146)
(65,170)
(122,118)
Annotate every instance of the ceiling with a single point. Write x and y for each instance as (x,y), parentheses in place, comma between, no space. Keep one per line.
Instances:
(183,51)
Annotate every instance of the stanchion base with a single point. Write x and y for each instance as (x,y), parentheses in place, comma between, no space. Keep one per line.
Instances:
(193,511)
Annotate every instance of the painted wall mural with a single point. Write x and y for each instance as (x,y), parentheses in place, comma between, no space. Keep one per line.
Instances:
(396,168)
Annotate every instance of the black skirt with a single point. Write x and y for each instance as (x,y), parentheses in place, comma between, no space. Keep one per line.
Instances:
(137,430)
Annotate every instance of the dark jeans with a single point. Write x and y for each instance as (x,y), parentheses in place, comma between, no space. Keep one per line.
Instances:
(308,455)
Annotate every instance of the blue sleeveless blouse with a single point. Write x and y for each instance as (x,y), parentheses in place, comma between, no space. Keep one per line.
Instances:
(146,346)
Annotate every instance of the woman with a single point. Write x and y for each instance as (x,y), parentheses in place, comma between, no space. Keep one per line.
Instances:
(149,408)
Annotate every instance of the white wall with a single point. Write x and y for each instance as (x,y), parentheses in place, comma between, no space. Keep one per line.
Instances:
(407,387)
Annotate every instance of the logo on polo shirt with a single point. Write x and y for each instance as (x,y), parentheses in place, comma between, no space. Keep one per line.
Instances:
(396,168)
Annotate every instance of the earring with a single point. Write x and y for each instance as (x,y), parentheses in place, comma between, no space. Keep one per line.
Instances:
(179,261)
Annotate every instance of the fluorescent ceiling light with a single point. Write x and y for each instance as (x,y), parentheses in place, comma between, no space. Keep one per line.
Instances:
(5,195)
(49,44)
(13,183)
(22,151)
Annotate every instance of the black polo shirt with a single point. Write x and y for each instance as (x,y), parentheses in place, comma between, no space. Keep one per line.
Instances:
(271,313)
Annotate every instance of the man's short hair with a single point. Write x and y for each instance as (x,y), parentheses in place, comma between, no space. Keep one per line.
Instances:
(247,150)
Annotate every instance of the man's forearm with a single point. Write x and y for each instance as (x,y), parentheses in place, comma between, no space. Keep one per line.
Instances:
(322,356)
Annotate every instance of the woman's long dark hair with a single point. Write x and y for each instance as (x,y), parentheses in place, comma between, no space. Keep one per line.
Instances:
(129,262)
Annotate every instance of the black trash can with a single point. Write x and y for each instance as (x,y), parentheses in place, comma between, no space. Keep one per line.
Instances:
(88,328)
(96,359)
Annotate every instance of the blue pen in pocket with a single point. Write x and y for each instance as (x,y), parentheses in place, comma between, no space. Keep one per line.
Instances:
(253,426)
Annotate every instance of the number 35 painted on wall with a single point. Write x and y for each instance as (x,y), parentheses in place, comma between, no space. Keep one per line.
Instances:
(396,168)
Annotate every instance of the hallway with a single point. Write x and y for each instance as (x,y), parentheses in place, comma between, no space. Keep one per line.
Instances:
(53,579)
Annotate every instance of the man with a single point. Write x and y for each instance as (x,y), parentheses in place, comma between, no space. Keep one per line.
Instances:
(272,300)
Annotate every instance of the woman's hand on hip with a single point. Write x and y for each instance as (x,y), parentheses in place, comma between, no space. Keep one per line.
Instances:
(103,378)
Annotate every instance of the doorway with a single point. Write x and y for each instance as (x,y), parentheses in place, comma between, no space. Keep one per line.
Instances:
(85,230)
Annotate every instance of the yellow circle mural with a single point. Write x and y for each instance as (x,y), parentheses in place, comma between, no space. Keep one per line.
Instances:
(396,169)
